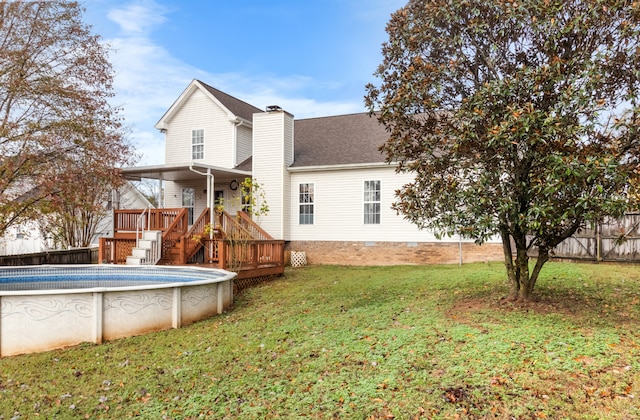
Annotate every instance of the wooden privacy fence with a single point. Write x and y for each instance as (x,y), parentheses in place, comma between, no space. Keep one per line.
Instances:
(69,256)
(611,240)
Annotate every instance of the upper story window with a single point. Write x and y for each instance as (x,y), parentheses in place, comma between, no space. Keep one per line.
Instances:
(197,144)
(306,202)
(371,202)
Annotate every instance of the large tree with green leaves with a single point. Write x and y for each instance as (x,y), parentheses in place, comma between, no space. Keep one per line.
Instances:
(55,115)
(519,119)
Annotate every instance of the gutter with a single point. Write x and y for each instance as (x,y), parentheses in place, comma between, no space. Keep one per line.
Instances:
(347,166)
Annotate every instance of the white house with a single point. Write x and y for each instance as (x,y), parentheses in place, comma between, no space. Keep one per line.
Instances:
(327,186)
(28,238)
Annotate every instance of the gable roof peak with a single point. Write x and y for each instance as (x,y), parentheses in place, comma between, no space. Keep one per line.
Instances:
(234,107)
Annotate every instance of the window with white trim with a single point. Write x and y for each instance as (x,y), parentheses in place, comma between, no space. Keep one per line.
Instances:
(371,202)
(197,144)
(306,203)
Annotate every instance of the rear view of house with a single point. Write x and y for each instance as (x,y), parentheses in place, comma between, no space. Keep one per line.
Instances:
(328,188)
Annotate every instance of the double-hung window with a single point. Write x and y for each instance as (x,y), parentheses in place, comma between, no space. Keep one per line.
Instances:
(371,202)
(197,144)
(306,200)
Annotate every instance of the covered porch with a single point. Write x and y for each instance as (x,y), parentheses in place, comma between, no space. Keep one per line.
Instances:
(190,228)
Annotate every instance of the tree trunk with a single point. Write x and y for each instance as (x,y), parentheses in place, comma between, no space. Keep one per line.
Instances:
(524,286)
(543,257)
(512,274)
(521,284)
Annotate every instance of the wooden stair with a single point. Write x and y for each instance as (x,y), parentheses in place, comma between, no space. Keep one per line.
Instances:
(171,255)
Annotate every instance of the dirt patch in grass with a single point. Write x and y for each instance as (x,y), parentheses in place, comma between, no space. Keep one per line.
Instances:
(566,304)
(465,307)
(585,294)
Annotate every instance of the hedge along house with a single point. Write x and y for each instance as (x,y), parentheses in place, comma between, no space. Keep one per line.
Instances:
(326,183)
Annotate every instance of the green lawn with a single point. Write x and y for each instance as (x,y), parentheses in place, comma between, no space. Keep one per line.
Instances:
(365,342)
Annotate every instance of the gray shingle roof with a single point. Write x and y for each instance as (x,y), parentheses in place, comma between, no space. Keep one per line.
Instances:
(247,165)
(236,106)
(335,140)
(338,140)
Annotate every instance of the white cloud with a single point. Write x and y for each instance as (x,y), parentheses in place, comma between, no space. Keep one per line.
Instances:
(139,17)
(149,79)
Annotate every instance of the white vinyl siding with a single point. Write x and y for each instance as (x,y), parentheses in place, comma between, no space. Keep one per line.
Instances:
(306,200)
(372,202)
(338,206)
(244,144)
(199,111)
(197,144)
(272,154)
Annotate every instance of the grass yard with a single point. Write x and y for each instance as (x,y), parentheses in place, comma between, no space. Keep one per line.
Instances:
(432,342)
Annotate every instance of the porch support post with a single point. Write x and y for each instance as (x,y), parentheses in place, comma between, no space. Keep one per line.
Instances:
(210,200)
(211,196)
(160,192)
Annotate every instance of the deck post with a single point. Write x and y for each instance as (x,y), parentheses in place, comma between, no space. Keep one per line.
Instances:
(222,254)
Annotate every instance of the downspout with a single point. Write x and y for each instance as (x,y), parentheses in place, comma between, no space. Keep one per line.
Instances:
(210,186)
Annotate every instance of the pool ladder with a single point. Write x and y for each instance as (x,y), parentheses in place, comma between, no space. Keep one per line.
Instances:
(148,249)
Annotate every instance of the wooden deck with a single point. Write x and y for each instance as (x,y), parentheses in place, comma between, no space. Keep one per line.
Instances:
(236,244)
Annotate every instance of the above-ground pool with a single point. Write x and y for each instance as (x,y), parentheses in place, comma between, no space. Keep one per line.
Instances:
(47,307)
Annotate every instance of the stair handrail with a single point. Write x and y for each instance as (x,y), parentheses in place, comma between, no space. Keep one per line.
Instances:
(198,228)
(156,252)
(233,228)
(140,230)
(175,231)
(256,231)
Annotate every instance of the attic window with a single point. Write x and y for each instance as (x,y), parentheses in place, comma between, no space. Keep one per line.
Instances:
(197,144)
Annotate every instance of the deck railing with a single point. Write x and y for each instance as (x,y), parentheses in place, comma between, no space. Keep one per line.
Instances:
(245,255)
(233,228)
(175,232)
(125,221)
(256,231)
(171,222)
(193,238)
(237,243)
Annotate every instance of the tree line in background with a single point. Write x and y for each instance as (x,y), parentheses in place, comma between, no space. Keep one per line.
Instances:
(61,141)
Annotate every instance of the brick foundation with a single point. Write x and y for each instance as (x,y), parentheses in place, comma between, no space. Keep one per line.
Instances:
(393,253)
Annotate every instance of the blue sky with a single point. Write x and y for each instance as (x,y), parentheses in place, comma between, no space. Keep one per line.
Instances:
(311,57)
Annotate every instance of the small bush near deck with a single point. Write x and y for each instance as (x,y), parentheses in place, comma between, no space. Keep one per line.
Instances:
(433,342)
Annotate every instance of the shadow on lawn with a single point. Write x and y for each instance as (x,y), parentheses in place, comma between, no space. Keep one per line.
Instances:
(591,307)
